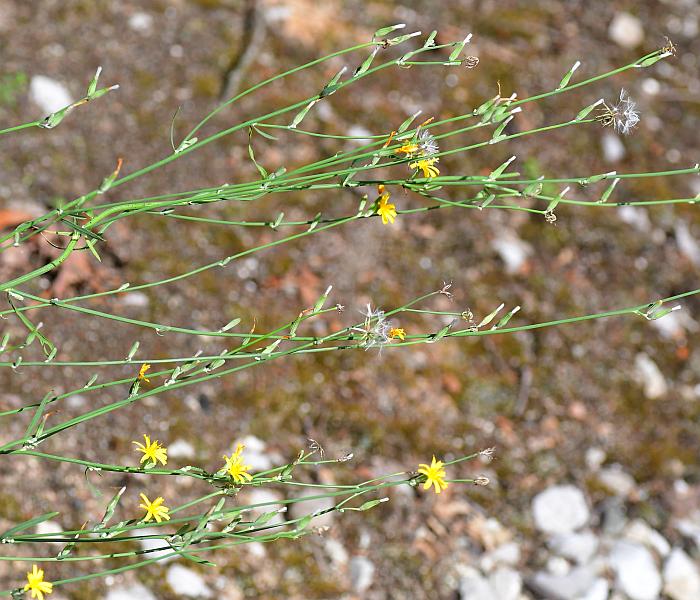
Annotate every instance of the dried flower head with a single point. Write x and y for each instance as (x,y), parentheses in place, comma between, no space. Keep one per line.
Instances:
(482,480)
(427,144)
(623,116)
(375,329)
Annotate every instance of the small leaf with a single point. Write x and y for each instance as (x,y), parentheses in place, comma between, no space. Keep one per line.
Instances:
(608,191)
(386,30)
(488,318)
(459,46)
(565,80)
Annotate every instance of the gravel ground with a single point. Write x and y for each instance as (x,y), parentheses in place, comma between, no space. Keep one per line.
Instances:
(595,483)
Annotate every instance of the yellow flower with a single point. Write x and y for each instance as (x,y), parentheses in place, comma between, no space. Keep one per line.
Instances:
(154,510)
(142,373)
(408,149)
(36,583)
(385,209)
(235,467)
(152,451)
(427,166)
(397,332)
(434,475)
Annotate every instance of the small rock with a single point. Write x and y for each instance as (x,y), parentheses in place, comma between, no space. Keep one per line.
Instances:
(149,543)
(613,148)
(269,501)
(187,582)
(361,573)
(336,551)
(639,531)
(48,94)
(130,592)
(579,547)
(626,30)
(141,22)
(255,454)
(506,583)
(599,590)
(614,516)
(50,527)
(506,554)
(635,570)
(135,300)
(556,565)
(306,507)
(690,527)
(474,586)
(616,480)
(635,216)
(181,449)
(512,250)
(681,577)
(560,509)
(572,586)
(651,377)
(687,244)
(595,457)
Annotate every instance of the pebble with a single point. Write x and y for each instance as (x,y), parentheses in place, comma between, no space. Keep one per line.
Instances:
(560,509)
(635,216)
(512,250)
(50,527)
(361,573)
(652,378)
(613,148)
(336,552)
(150,543)
(579,547)
(130,592)
(595,457)
(599,590)
(639,531)
(141,22)
(687,244)
(181,449)
(503,584)
(300,509)
(575,584)
(506,554)
(187,582)
(616,480)
(635,570)
(626,30)
(269,499)
(135,300)
(681,577)
(49,94)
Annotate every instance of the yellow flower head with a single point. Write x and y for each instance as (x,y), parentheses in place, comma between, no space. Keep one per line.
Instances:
(36,583)
(397,332)
(427,165)
(154,510)
(152,451)
(408,149)
(385,209)
(235,467)
(142,373)
(434,475)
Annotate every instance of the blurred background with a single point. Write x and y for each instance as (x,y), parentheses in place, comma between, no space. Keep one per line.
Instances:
(595,424)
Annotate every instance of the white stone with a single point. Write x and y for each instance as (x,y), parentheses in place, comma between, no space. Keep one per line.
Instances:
(255,454)
(681,577)
(639,531)
(300,509)
(579,547)
(560,509)
(626,30)
(48,94)
(505,554)
(130,592)
(50,528)
(269,501)
(141,22)
(181,449)
(635,570)
(135,300)
(635,216)
(474,586)
(690,527)
(506,583)
(556,565)
(595,457)
(148,543)
(361,573)
(651,377)
(187,582)
(613,148)
(336,551)
(512,250)
(572,586)
(687,244)
(616,480)
(599,591)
